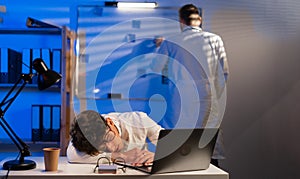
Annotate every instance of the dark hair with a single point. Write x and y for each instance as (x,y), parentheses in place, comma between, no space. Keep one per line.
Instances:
(87,132)
(186,11)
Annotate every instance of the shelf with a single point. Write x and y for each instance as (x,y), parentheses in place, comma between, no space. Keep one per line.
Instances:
(60,38)
(9,85)
(124,99)
(46,31)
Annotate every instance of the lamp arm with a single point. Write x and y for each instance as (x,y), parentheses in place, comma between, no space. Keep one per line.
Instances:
(5,99)
(26,78)
(6,102)
(23,148)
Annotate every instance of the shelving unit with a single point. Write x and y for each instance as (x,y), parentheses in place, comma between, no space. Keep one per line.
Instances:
(68,68)
(52,38)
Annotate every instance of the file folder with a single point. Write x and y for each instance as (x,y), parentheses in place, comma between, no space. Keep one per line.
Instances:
(47,123)
(36,132)
(26,59)
(14,65)
(3,65)
(36,53)
(56,123)
(56,60)
(46,56)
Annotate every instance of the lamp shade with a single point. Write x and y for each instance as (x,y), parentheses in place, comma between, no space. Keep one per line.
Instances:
(46,77)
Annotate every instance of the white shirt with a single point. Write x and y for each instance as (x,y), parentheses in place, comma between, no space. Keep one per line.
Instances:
(197,65)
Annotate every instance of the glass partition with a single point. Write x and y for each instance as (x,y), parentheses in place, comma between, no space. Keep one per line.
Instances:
(115,48)
(116,51)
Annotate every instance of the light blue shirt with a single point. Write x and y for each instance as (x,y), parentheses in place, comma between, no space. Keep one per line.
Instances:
(197,69)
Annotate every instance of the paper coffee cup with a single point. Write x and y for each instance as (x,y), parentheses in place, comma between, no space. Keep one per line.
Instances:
(51,156)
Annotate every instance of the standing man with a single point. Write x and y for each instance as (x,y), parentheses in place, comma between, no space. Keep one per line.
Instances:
(195,64)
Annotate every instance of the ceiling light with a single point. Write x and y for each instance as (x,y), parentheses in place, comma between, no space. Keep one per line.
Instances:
(132,4)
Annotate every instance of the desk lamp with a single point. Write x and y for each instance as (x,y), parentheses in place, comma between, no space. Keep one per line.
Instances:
(46,78)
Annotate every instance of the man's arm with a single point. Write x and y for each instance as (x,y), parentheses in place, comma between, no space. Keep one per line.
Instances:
(75,156)
(222,57)
(160,58)
(134,156)
(221,72)
(152,128)
(138,156)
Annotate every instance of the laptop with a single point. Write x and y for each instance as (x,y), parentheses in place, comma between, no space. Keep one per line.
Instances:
(181,150)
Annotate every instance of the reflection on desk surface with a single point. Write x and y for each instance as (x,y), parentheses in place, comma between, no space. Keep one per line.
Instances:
(68,170)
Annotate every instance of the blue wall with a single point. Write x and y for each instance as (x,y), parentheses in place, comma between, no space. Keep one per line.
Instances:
(19,113)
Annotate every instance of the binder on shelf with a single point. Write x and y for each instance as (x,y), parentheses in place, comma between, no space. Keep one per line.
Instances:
(56,60)
(47,123)
(26,59)
(4,60)
(56,117)
(56,123)
(3,65)
(36,53)
(3,77)
(46,56)
(14,65)
(35,117)
(36,131)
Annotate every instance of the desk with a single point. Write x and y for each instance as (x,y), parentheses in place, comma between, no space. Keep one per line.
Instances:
(67,170)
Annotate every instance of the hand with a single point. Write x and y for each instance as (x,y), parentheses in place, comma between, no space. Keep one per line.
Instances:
(158,41)
(135,156)
(145,158)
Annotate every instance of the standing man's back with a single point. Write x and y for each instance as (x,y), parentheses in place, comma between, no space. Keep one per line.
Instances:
(197,70)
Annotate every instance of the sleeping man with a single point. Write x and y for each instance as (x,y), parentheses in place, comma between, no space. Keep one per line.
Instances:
(113,135)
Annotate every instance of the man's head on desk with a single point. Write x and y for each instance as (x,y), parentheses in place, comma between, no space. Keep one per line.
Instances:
(92,133)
